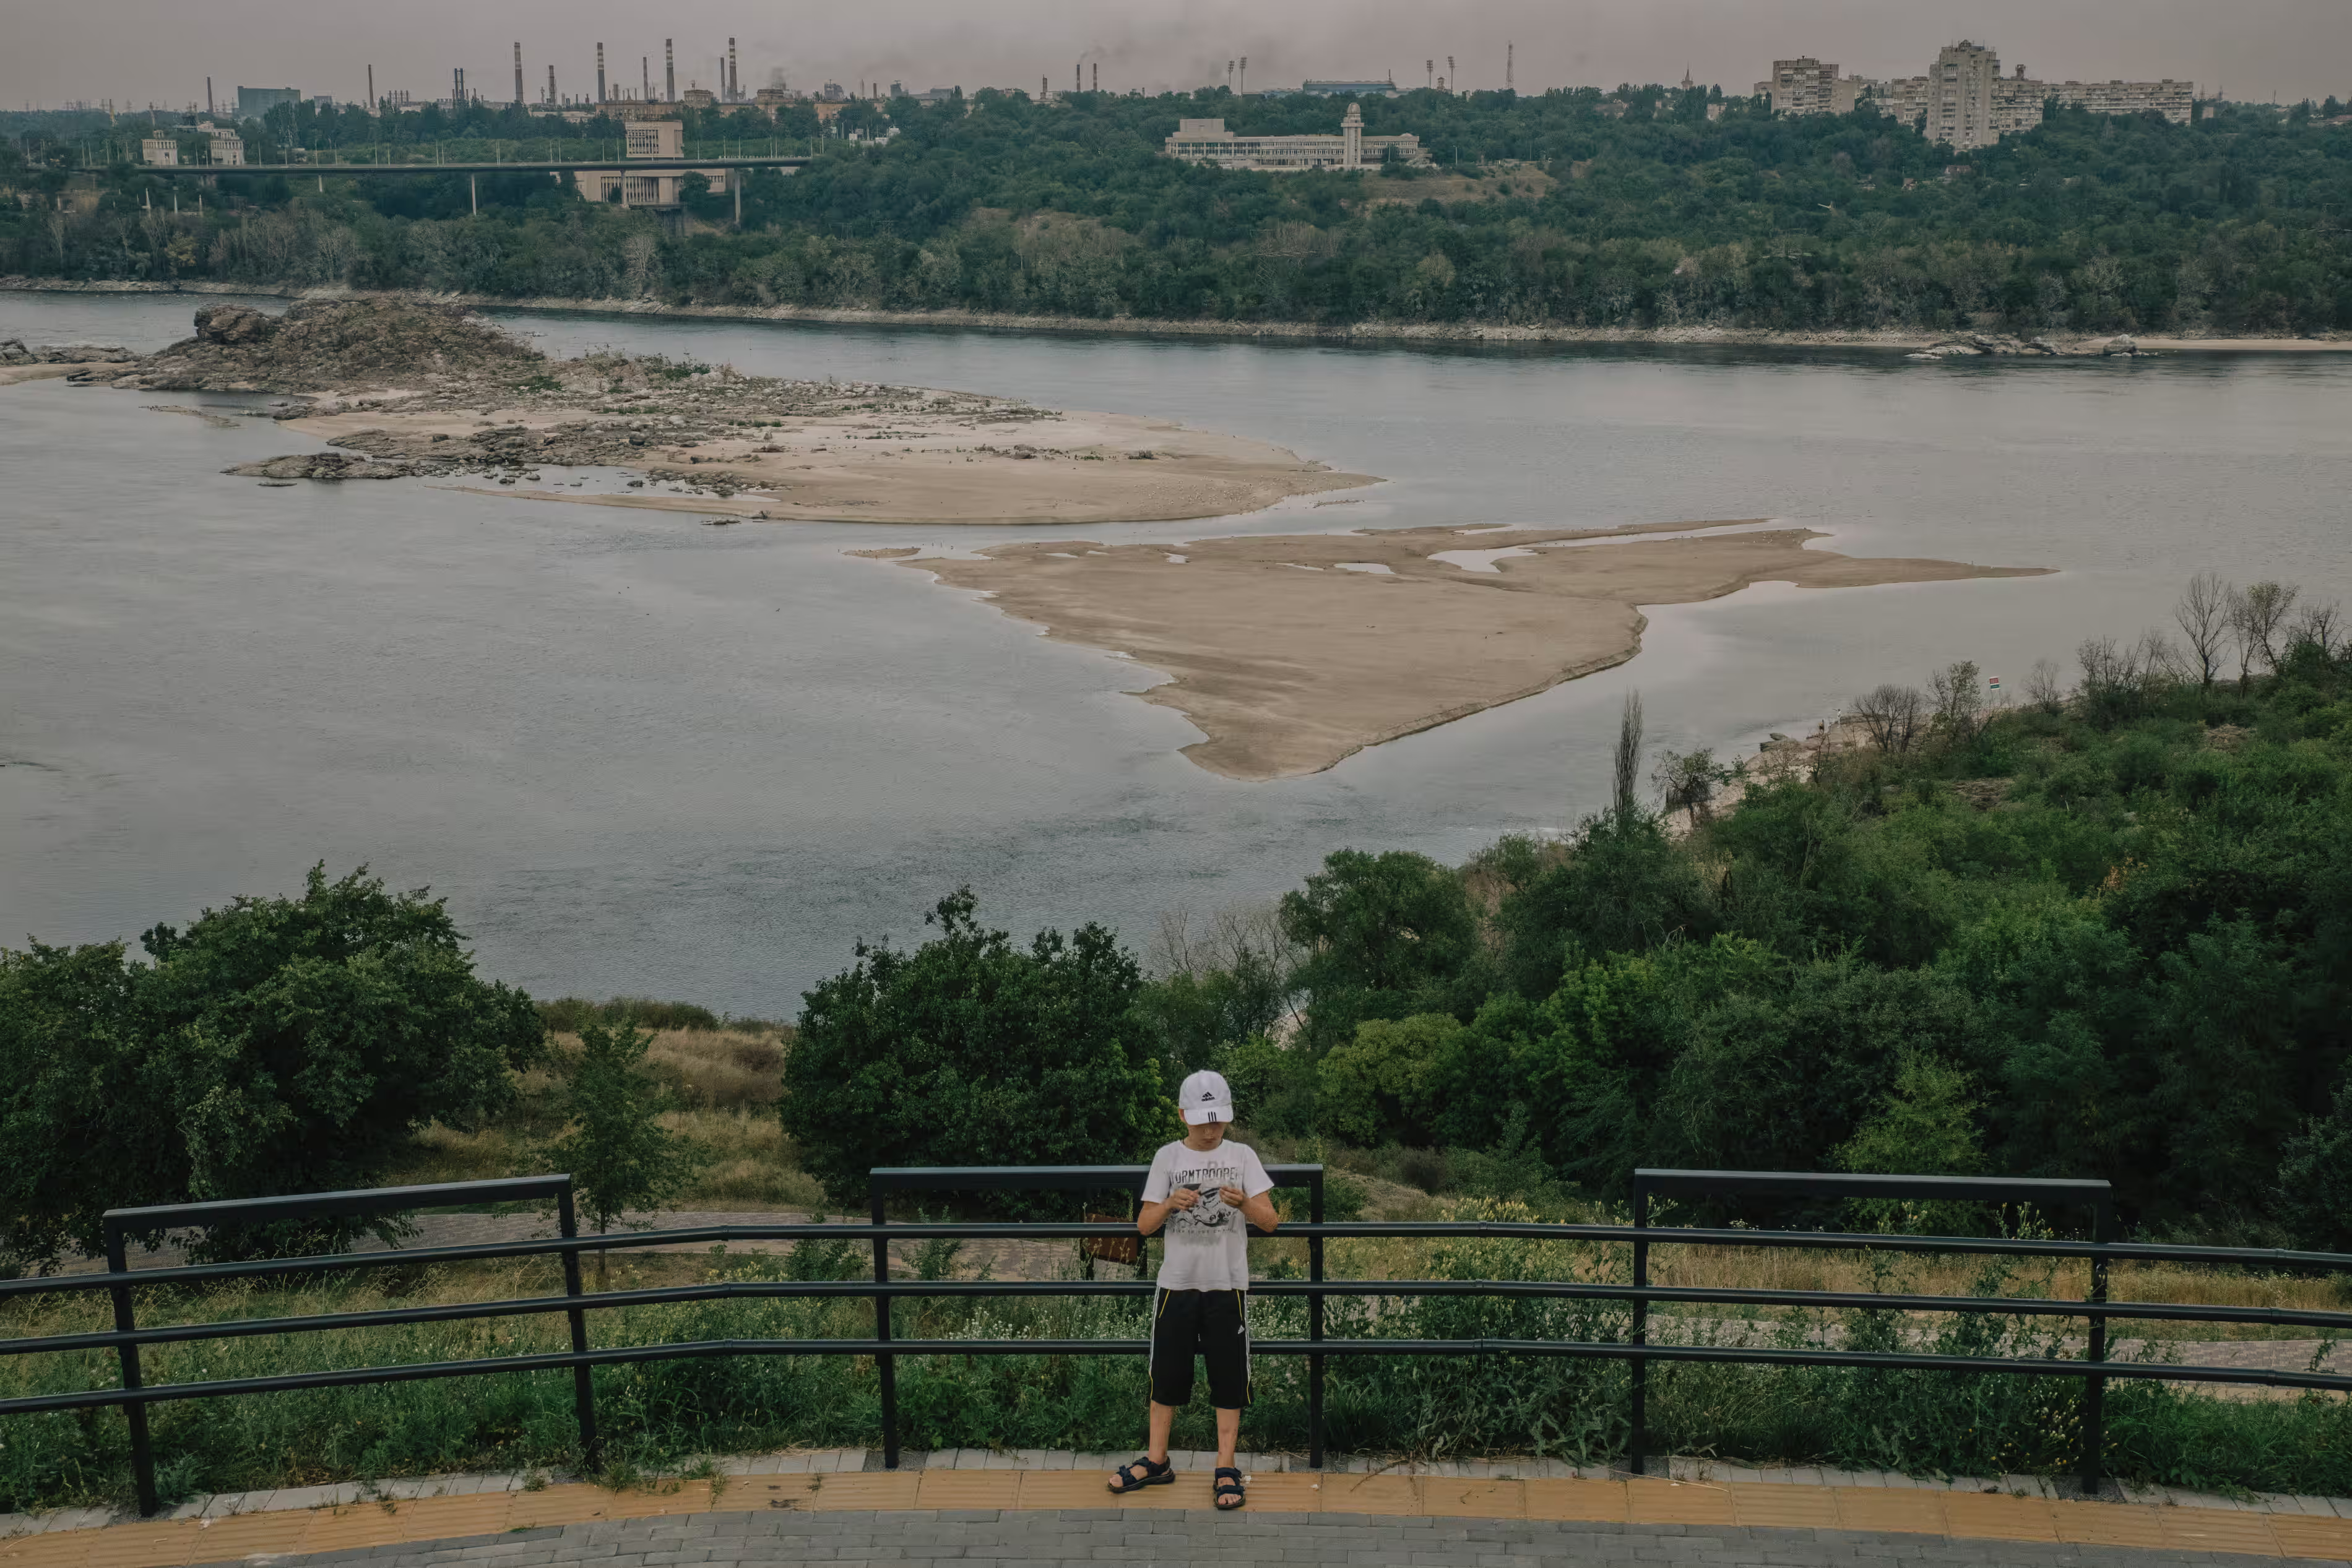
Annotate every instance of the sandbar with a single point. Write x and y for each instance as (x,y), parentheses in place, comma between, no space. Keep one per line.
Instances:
(1291,653)
(871,454)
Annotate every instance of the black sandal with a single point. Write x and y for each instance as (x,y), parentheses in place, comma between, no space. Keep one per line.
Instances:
(1139,1473)
(1228,1485)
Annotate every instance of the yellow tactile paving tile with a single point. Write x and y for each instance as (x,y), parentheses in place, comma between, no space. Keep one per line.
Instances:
(968,1489)
(1901,1510)
(752,1494)
(1062,1488)
(693,1496)
(2212,1529)
(1286,1494)
(247,1535)
(1988,1516)
(361,1524)
(1459,1498)
(1783,1507)
(1677,1502)
(2300,1535)
(892,1490)
(1564,1499)
(1371,1494)
(556,1505)
(2105,1524)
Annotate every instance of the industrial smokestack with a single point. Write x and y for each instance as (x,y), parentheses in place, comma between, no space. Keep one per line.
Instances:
(1098,76)
(372,103)
(1510,52)
(646,65)
(208,93)
(669,72)
(734,77)
(600,73)
(1452,75)
(550,82)
(517,73)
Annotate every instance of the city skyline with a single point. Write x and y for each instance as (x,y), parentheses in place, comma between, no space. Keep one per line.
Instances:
(136,52)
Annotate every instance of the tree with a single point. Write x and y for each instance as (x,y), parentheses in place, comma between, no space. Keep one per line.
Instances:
(1892,715)
(1625,770)
(2315,1183)
(274,1046)
(2257,616)
(1384,1085)
(969,1051)
(1384,935)
(2203,617)
(1688,780)
(621,1158)
(1960,702)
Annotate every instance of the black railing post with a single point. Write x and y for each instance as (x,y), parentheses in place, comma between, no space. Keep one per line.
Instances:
(1639,1365)
(2095,1389)
(142,1457)
(1315,1327)
(583,1378)
(885,1363)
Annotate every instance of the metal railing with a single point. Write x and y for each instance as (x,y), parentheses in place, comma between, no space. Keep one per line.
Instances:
(135,1396)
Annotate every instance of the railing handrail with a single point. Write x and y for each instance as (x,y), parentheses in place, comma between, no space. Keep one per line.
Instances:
(1532,1230)
(126,1338)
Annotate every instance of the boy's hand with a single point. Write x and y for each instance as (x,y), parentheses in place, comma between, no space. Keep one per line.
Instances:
(1183,1197)
(1234,1195)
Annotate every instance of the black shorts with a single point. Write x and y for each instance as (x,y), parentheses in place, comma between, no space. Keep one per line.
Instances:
(1212,1324)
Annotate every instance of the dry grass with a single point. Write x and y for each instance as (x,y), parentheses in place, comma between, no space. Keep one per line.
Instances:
(725,1083)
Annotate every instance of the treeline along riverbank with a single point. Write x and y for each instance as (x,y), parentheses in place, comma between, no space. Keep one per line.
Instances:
(1543,210)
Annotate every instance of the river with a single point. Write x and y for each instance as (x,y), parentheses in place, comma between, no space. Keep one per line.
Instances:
(641,755)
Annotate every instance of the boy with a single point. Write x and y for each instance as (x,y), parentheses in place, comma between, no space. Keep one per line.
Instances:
(1204,1191)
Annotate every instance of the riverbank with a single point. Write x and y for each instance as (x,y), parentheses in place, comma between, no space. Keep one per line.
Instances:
(1432,333)
(1293,653)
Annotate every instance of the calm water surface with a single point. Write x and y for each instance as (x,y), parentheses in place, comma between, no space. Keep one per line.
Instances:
(640,753)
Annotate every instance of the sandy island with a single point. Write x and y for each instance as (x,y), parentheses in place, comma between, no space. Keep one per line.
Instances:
(404,389)
(893,454)
(1292,652)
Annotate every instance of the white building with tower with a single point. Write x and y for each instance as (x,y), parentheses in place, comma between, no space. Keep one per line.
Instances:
(1208,142)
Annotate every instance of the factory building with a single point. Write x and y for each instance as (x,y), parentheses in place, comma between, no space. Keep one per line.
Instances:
(254,102)
(1208,142)
(1964,102)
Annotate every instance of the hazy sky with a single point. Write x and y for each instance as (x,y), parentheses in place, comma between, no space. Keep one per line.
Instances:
(140,50)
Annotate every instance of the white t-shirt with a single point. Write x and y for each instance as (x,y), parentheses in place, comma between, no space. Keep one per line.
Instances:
(1207,1244)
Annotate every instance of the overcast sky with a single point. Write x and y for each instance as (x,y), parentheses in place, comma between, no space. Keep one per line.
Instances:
(136,51)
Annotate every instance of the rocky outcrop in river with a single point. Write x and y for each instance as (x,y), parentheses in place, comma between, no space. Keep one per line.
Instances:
(331,345)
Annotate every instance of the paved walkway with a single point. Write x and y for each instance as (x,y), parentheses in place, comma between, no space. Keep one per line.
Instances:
(822,1506)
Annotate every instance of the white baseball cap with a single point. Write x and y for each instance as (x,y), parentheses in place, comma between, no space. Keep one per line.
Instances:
(1206,1097)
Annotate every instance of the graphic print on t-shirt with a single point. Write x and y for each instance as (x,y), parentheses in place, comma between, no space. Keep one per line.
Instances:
(1212,1218)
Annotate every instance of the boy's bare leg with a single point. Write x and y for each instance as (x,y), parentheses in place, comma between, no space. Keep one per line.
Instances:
(1229,1433)
(1163,1421)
